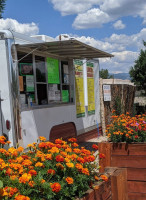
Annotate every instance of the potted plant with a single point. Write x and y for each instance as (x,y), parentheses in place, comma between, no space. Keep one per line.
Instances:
(127,148)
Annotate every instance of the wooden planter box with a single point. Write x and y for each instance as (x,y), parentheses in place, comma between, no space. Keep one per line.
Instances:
(132,157)
(114,189)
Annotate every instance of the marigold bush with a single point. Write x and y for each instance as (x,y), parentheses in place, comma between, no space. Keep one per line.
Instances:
(54,171)
(127,129)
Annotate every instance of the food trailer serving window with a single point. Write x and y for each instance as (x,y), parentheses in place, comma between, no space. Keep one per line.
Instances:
(51,80)
(43,80)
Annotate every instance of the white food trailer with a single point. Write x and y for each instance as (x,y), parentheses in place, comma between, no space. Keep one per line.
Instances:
(45,85)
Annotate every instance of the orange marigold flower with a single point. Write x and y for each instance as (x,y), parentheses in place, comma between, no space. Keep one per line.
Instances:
(25,178)
(51,171)
(32,172)
(59,146)
(58,141)
(20,149)
(85,171)
(104,178)
(101,155)
(26,162)
(81,160)
(30,145)
(31,183)
(74,156)
(13,177)
(69,180)
(79,166)
(39,164)
(95,146)
(59,165)
(9,171)
(56,187)
(68,149)
(96,178)
(9,191)
(48,156)
(2,140)
(13,151)
(63,153)
(85,151)
(59,158)
(21,197)
(74,144)
(42,138)
(72,140)
(67,160)
(54,150)
(77,150)
(70,165)
(43,181)
(89,158)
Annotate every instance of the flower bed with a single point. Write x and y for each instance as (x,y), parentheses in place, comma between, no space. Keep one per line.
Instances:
(127,129)
(47,170)
(127,149)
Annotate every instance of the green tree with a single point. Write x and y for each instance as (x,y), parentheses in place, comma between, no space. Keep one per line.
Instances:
(138,71)
(103,73)
(2,6)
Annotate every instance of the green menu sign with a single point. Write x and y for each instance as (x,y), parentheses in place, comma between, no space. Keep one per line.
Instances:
(65,96)
(53,70)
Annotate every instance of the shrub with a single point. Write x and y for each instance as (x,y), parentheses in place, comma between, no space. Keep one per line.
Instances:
(127,129)
(54,171)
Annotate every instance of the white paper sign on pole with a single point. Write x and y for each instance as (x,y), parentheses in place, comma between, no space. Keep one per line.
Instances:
(107,92)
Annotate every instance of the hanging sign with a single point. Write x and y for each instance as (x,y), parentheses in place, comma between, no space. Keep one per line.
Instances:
(80,106)
(90,84)
(21,84)
(53,70)
(107,92)
(65,96)
(29,83)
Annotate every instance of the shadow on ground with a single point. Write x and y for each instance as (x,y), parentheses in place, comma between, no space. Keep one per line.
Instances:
(87,145)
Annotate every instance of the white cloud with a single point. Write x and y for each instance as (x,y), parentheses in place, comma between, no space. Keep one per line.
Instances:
(92,18)
(28,29)
(68,7)
(128,41)
(119,25)
(94,13)
(119,8)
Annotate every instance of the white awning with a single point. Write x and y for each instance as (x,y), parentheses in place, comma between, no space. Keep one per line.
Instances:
(70,49)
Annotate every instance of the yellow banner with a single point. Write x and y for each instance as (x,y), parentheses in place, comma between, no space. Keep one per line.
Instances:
(90,83)
(80,106)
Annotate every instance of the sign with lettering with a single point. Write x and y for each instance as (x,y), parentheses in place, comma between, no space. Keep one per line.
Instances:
(107,92)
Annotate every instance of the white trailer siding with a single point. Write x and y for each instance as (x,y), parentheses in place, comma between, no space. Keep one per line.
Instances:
(5,90)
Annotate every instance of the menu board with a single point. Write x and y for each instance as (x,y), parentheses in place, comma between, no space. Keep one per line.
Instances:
(80,106)
(53,70)
(29,83)
(90,85)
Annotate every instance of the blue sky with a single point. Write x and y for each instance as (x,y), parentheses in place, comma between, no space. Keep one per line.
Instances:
(115,26)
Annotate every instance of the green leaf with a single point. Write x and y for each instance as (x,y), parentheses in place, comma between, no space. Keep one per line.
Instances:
(1,184)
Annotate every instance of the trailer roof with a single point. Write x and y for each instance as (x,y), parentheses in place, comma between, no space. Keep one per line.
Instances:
(71,49)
